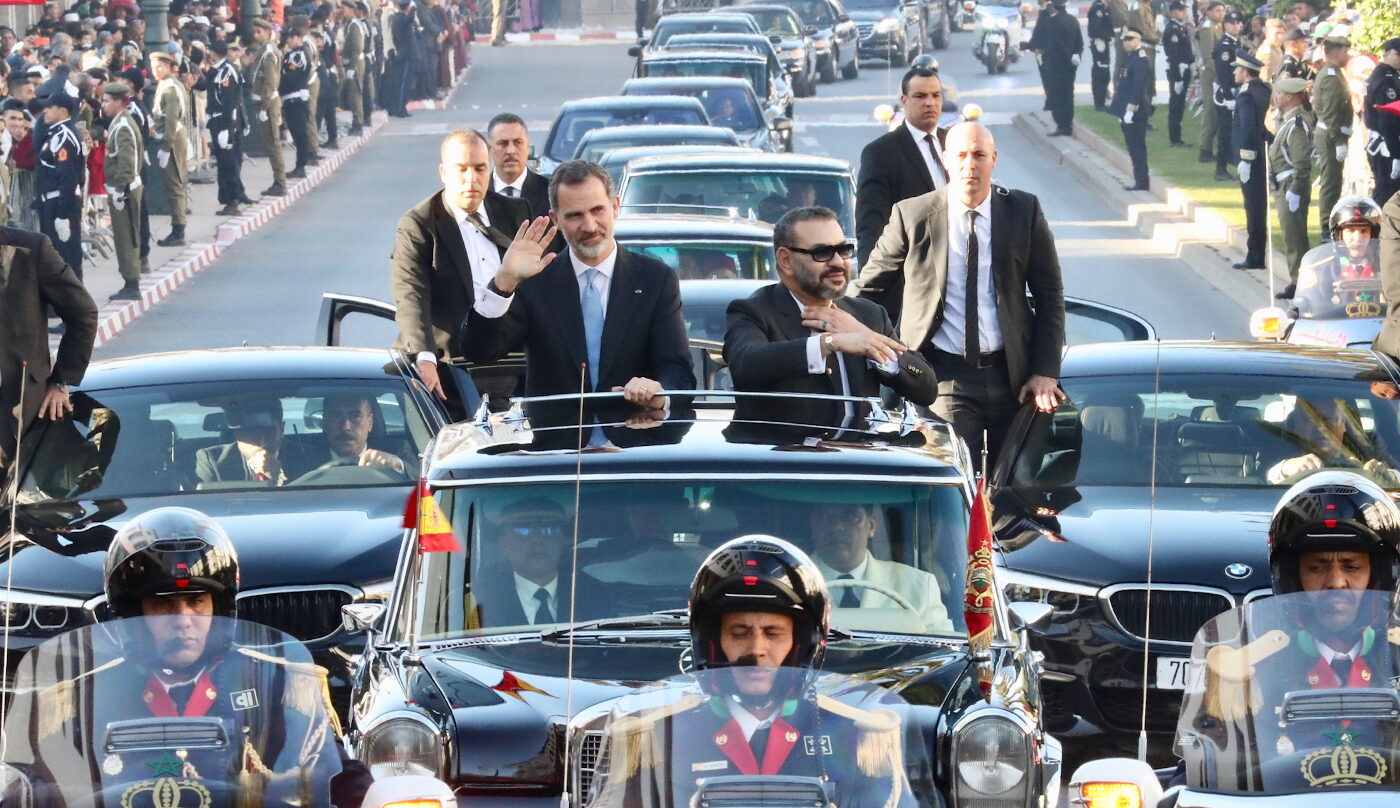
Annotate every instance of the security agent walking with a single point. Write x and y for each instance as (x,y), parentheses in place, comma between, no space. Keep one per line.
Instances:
(1176,46)
(1383,149)
(1131,105)
(1290,173)
(1223,57)
(1058,44)
(1250,140)
(126,154)
(960,262)
(170,115)
(60,178)
(297,71)
(1207,36)
(224,106)
(263,83)
(1100,52)
(1331,103)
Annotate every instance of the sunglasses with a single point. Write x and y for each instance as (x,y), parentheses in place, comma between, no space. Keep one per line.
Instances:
(823,253)
(545,531)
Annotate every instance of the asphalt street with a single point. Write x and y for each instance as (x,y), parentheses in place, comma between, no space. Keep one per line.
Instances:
(266,289)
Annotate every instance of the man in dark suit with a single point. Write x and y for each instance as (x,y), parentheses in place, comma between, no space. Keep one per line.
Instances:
(598,317)
(510,148)
(1058,43)
(447,248)
(803,335)
(257,453)
(34,278)
(904,163)
(963,259)
(532,587)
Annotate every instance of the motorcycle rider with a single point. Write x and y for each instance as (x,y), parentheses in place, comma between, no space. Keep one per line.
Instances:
(172,580)
(1352,254)
(758,621)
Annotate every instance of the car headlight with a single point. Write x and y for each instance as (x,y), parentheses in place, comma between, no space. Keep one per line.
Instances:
(991,755)
(821,44)
(1063,596)
(796,53)
(887,26)
(403,743)
(30,614)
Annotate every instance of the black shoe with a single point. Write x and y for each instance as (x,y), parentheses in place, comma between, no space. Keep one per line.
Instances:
(1135,187)
(1221,175)
(298,173)
(498,43)
(1247,265)
(330,144)
(275,189)
(176,237)
(354,131)
(1179,144)
(131,291)
(244,200)
(1062,133)
(1205,157)
(231,209)
(314,161)
(1287,293)
(1101,107)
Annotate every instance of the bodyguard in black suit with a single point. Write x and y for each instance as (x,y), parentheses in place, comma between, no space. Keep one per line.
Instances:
(510,148)
(446,247)
(597,316)
(904,163)
(804,335)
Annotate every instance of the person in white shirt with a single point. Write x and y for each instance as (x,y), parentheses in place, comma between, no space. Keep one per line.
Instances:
(532,587)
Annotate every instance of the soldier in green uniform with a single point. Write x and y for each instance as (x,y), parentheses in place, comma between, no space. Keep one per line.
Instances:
(126,149)
(351,39)
(1206,38)
(1137,15)
(169,129)
(1331,102)
(1290,172)
(263,82)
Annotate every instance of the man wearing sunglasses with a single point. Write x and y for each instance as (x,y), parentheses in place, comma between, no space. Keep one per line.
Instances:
(803,335)
(532,587)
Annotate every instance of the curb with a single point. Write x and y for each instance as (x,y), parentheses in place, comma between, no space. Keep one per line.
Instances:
(524,38)
(1174,221)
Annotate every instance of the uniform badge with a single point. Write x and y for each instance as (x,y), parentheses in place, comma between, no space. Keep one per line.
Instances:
(710,766)
(1312,679)
(791,736)
(1284,745)
(147,697)
(210,693)
(242,700)
(721,739)
(1365,675)
(112,765)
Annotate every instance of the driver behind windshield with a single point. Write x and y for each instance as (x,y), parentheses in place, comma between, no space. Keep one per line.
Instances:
(841,537)
(256,453)
(1354,224)
(348,419)
(532,588)
(1329,433)
(758,617)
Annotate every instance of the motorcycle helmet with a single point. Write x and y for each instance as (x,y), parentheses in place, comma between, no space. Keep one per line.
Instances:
(170,551)
(1336,511)
(1351,211)
(758,574)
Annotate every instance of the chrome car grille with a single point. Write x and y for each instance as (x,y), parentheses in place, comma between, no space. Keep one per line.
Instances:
(865,29)
(1177,613)
(308,614)
(588,764)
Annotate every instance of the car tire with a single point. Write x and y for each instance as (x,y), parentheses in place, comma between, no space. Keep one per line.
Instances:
(942,33)
(828,68)
(851,70)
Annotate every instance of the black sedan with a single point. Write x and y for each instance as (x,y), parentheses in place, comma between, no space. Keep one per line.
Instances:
(582,115)
(595,145)
(1168,458)
(730,103)
(794,44)
(835,40)
(304,455)
(890,30)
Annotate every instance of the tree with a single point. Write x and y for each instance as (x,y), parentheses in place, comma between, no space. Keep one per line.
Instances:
(1379,21)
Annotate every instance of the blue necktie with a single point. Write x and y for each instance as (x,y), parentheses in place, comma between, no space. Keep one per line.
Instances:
(592,304)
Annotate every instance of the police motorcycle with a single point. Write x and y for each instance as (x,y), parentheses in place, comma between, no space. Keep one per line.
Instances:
(1291,699)
(1338,301)
(1000,29)
(174,702)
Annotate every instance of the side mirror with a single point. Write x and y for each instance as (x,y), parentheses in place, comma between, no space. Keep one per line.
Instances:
(359,618)
(843,18)
(634,51)
(1025,615)
(810,30)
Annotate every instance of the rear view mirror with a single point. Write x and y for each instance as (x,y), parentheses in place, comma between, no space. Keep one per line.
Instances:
(810,30)
(358,618)
(843,18)
(775,39)
(782,124)
(634,51)
(1033,617)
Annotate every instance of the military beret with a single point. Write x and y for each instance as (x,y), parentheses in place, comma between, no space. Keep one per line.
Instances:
(1248,62)
(262,23)
(1291,84)
(117,90)
(162,56)
(1295,35)
(1129,33)
(298,21)
(59,99)
(1177,5)
(1234,16)
(1336,42)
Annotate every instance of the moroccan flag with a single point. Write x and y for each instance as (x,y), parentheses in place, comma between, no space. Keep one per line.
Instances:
(1393,108)
(980,595)
(434,530)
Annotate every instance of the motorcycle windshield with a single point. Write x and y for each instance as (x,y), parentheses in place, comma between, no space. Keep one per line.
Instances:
(1294,693)
(762,738)
(169,711)
(1339,283)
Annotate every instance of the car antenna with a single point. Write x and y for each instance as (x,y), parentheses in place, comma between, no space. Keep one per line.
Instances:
(10,551)
(1151,534)
(573,586)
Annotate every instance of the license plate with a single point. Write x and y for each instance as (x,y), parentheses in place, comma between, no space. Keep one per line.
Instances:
(1177,673)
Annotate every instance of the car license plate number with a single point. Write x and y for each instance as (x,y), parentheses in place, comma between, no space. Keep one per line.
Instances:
(1176,673)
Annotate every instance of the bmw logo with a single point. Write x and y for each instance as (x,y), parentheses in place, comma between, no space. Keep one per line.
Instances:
(1238,571)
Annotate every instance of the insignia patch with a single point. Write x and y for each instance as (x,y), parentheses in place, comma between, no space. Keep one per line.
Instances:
(1284,745)
(1343,765)
(168,791)
(710,766)
(112,765)
(243,699)
(791,736)
(812,744)
(62,155)
(721,739)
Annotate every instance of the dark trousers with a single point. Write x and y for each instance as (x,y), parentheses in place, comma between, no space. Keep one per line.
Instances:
(974,400)
(1385,186)
(641,11)
(1176,102)
(298,116)
(229,165)
(1256,209)
(145,249)
(394,90)
(1101,73)
(72,249)
(326,103)
(1135,139)
(1225,129)
(1059,93)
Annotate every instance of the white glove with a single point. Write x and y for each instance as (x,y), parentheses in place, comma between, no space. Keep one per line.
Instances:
(1395,169)
(262,114)
(1177,87)
(1128,117)
(1230,105)
(1244,170)
(225,141)
(349,74)
(1294,201)
(1074,60)
(1099,45)
(63,229)
(162,157)
(118,199)
(1342,153)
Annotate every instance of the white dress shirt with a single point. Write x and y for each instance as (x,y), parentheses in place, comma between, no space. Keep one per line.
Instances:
(816,364)
(525,589)
(493,305)
(917,586)
(501,185)
(949,336)
(747,721)
(482,253)
(931,152)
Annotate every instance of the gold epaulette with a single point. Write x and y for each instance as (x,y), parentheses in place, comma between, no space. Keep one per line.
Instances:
(1230,695)
(630,735)
(309,688)
(56,703)
(879,750)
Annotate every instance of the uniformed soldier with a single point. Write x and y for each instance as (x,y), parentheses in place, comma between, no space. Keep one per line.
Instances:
(351,37)
(1331,102)
(1100,45)
(1384,146)
(126,153)
(224,106)
(301,23)
(374,56)
(759,611)
(171,132)
(263,82)
(1176,46)
(1058,44)
(1249,139)
(60,180)
(1223,57)
(1131,106)
(1353,254)
(1290,170)
(296,98)
(1207,36)
(1295,49)
(327,96)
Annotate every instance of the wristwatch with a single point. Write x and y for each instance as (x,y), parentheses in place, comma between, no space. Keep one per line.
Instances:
(830,342)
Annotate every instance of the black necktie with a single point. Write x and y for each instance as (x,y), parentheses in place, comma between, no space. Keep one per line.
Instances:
(1341,666)
(849,598)
(934,151)
(509,190)
(972,342)
(759,743)
(496,236)
(543,614)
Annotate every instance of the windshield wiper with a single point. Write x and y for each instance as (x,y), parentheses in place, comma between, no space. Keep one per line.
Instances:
(664,617)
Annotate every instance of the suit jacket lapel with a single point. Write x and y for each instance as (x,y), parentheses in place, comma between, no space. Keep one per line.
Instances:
(938,249)
(495,211)
(789,313)
(914,155)
(1001,244)
(622,306)
(450,235)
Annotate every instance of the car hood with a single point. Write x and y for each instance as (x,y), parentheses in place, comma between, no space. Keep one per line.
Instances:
(509,699)
(872,14)
(1100,534)
(283,538)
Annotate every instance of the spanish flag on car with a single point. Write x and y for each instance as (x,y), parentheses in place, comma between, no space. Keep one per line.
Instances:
(434,529)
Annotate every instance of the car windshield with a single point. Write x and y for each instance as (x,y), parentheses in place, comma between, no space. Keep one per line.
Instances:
(639,544)
(812,12)
(777,22)
(877,5)
(1211,430)
(176,438)
(711,260)
(1337,282)
(595,149)
(665,31)
(733,108)
(755,73)
(767,194)
(573,125)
